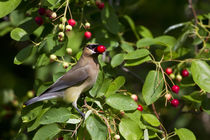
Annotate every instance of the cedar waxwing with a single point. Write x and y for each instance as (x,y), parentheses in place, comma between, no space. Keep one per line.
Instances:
(79,79)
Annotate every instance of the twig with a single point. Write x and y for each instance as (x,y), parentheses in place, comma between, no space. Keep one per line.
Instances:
(76,129)
(161,126)
(193,11)
(100,116)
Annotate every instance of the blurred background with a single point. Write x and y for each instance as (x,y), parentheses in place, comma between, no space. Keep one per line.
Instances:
(16,82)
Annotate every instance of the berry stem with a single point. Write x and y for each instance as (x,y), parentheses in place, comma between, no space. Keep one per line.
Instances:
(161,125)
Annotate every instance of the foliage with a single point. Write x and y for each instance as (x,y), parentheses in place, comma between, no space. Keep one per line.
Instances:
(108,106)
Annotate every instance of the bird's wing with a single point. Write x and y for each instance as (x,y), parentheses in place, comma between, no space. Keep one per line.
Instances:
(72,77)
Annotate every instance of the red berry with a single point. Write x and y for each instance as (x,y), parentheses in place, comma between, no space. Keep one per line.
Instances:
(185,73)
(101,48)
(72,22)
(175,102)
(140,108)
(41,11)
(134,97)
(48,13)
(100,5)
(60,138)
(169,71)
(175,89)
(97,3)
(39,20)
(87,35)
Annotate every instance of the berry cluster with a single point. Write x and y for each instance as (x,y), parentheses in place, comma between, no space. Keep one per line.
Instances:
(44,12)
(175,88)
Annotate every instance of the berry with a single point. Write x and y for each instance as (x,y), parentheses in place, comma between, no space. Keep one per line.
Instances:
(178,77)
(48,13)
(53,15)
(30,93)
(69,50)
(87,25)
(60,39)
(60,34)
(175,89)
(134,97)
(122,113)
(60,138)
(101,5)
(39,20)
(168,96)
(53,57)
(41,11)
(117,137)
(61,26)
(185,73)
(169,71)
(101,48)
(65,65)
(172,76)
(63,19)
(15,103)
(68,27)
(87,35)
(140,108)
(175,102)
(72,22)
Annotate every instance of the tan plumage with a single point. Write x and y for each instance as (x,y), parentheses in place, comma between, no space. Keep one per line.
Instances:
(76,81)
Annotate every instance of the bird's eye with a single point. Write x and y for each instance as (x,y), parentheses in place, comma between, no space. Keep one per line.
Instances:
(92,46)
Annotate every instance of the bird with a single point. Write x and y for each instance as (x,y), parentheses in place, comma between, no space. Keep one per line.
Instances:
(80,78)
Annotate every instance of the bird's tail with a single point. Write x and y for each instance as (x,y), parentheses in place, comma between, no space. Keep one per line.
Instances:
(45,96)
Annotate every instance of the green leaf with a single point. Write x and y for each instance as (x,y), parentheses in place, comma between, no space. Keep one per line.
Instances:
(57,75)
(152,87)
(121,102)
(55,115)
(137,61)
(129,129)
(22,55)
(151,119)
(16,17)
(206,105)
(19,34)
(42,60)
(135,116)
(132,25)
(126,47)
(139,53)
(185,134)
(144,32)
(96,129)
(115,85)
(201,74)
(195,97)
(144,42)
(47,132)
(110,19)
(165,40)
(36,123)
(117,60)
(30,113)
(98,84)
(8,6)
(75,40)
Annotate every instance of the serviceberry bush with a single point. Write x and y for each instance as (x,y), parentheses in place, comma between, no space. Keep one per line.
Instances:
(142,76)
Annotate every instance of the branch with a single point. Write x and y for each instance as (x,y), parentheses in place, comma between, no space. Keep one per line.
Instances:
(100,116)
(193,11)
(161,126)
